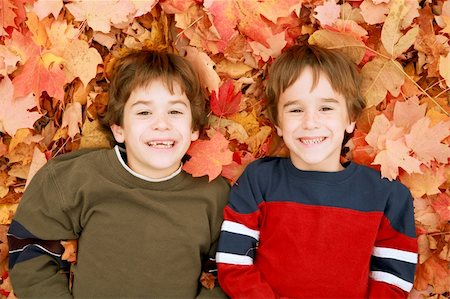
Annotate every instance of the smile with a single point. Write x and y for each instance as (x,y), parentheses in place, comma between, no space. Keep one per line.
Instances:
(309,141)
(161,144)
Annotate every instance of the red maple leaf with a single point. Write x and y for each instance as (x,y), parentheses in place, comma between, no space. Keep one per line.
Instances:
(36,77)
(208,157)
(227,103)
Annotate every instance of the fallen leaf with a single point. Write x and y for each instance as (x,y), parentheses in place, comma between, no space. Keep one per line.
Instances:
(7,16)
(442,206)
(327,13)
(72,119)
(394,41)
(444,68)
(374,13)
(207,280)
(205,68)
(380,76)
(407,113)
(37,162)
(8,61)
(36,77)
(208,156)
(276,42)
(346,42)
(15,113)
(227,103)
(100,15)
(425,183)
(70,251)
(395,156)
(43,8)
(425,141)
(81,61)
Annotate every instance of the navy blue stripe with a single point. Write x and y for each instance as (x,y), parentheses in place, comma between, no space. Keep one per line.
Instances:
(401,269)
(31,252)
(20,231)
(237,244)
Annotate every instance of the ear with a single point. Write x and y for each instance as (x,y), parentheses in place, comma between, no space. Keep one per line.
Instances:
(118,133)
(279,131)
(195,135)
(350,127)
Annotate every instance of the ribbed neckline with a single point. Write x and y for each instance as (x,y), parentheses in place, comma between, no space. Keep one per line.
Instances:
(134,181)
(322,176)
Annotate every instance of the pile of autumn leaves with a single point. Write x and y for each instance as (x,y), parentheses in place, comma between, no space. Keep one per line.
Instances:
(401,48)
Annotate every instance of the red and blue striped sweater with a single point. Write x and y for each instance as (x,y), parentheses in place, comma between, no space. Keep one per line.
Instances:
(307,234)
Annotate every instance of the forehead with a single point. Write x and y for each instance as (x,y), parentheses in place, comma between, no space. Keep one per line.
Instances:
(157,92)
(307,87)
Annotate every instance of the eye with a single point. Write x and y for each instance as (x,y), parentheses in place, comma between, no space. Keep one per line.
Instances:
(326,108)
(144,113)
(295,110)
(175,112)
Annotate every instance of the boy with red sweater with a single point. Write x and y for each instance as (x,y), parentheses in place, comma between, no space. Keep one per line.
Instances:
(308,226)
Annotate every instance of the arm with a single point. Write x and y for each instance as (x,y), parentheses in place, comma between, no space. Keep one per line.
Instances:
(394,256)
(35,264)
(239,277)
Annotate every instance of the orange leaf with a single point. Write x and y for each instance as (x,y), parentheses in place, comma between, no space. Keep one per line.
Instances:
(228,102)
(426,141)
(207,280)
(427,182)
(442,206)
(70,251)
(208,156)
(36,77)
(7,16)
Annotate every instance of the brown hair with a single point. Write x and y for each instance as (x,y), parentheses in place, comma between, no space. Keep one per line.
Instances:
(339,69)
(139,68)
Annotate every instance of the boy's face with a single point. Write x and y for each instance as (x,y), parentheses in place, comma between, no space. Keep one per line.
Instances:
(313,123)
(156,129)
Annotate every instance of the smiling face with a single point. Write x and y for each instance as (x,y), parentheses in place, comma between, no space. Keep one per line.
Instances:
(313,122)
(156,129)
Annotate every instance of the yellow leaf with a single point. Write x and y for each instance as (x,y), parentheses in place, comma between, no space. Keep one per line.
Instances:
(346,42)
(72,118)
(380,76)
(7,212)
(81,61)
(94,135)
(37,162)
(444,68)
(37,28)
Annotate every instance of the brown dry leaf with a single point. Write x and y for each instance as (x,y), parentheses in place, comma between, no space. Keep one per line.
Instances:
(380,76)
(346,42)
(93,135)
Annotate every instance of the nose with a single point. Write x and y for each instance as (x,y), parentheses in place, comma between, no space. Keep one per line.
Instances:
(310,120)
(161,122)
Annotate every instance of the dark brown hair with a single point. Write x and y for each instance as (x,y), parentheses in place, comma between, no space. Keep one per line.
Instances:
(339,69)
(139,68)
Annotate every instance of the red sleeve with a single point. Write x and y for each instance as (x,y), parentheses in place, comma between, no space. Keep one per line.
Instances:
(394,256)
(237,274)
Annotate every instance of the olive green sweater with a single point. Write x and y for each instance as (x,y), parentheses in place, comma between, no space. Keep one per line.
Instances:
(137,238)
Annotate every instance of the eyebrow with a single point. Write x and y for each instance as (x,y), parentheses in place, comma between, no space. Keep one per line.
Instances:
(294,102)
(146,102)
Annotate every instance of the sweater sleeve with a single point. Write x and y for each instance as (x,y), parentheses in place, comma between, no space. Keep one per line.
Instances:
(239,277)
(35,264)
(394,256)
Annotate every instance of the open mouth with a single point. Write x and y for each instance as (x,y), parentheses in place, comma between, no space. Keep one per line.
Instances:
(309,141)
(161,144)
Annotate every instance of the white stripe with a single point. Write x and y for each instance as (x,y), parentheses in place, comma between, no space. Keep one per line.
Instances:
(39,246)
(235,259)
(390,253)
(391,279)
(241,229)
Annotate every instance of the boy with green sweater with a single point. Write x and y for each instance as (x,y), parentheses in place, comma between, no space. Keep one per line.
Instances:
(144,226)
